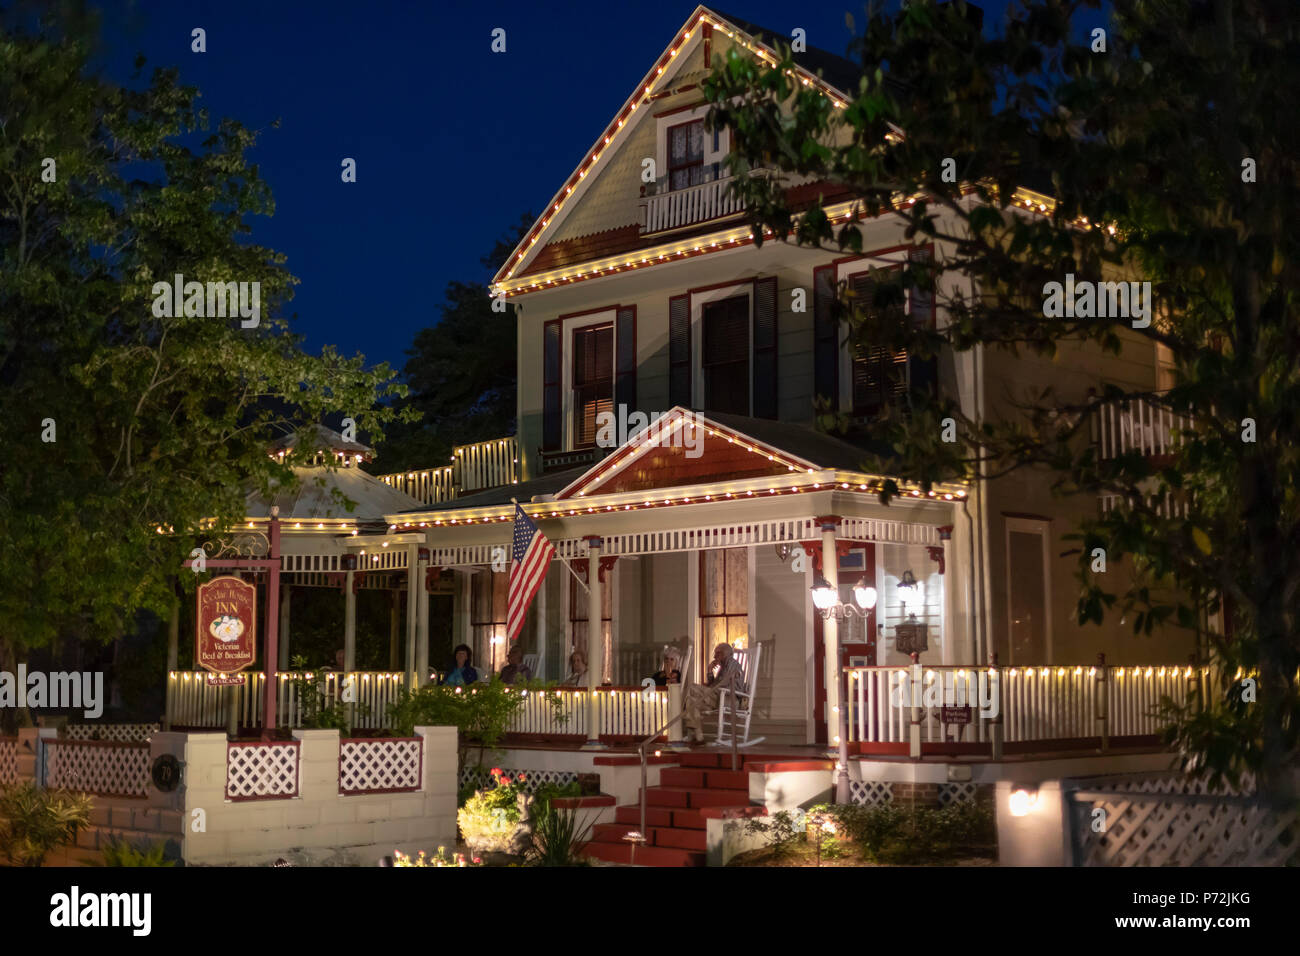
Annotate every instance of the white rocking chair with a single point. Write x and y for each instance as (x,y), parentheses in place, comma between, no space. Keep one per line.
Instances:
(531,661)
(738,723)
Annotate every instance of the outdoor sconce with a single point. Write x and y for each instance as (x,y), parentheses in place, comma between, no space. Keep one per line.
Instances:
(909,592)
(827,602)
(783,551)
(1022,801)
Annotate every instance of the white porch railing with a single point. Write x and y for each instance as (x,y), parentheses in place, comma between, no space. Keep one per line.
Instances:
(1062,706)
(694,204)
(1141,427)
(476,467)
(195,703)
(623,712)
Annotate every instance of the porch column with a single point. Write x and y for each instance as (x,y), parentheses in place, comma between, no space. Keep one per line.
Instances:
(349,638)
(173,658)
(393,604)
(412,610)
(836,710)
(595,643)
(284,626)
(422,622)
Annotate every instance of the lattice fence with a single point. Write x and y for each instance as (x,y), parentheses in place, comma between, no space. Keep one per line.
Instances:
(870,793)
(965,792)
(8,760)
(1170,822)
(532,778)
(127,733)
(262,771)
(104,768)
(380,766)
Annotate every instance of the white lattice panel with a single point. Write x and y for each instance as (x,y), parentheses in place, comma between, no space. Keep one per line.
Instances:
(114,770)
(958,793)
(261,771)
(376,766)
(127,733)
(8,761)
(870,793)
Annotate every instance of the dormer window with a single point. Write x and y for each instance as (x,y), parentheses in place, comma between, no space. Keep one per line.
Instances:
(686,155)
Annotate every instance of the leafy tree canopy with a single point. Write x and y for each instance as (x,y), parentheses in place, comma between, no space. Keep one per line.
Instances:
(1170,160)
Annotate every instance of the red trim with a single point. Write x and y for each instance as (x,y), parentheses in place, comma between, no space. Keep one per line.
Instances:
(720,285)
(65,741)
(575,803)
(681,109)
(1025,514)
(297,767)
(881,252)
(634,761)
(578,315)
(419,773)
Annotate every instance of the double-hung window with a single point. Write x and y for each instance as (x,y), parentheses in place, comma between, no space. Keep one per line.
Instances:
(725,355)
(592,380)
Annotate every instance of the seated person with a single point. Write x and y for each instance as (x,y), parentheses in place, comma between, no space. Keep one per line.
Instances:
(461,672)
(577,670)
(515,669)
(671,672)
(724,674)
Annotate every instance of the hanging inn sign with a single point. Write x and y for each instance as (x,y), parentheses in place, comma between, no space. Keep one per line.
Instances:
(226,638)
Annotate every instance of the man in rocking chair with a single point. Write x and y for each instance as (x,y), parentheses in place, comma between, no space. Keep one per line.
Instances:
(724,674)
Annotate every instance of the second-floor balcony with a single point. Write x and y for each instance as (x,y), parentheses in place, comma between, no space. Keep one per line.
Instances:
(673,209)
(476,467)
(1138,427)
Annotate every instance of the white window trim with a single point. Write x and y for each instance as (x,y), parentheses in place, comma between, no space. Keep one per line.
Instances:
(567,328)
(842,272)
(751,609)
(698,300)
(1044,530)
(664,123)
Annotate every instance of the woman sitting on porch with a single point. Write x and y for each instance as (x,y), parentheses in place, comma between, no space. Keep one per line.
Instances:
(724,674)
(577,670)
(671,672)
(462,672)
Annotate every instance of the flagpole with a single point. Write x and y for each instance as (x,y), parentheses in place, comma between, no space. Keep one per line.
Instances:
(563,560)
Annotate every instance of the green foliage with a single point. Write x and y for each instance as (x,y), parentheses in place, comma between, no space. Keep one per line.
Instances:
(544,794)
(900,835)
(480,711)
(309,688)
(123,853)
(784,830)
(558,839)
(1144,147)
(160,422)
(34,822)
(491,819)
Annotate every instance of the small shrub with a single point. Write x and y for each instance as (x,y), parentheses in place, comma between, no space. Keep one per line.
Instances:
(119,852)
(782,830)
(35,822)
(544,794)
(894,834)
(491,819)
(441,858)
(557,838)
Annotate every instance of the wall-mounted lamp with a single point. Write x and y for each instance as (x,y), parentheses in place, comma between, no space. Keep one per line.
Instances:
(826,599)
(1022,801)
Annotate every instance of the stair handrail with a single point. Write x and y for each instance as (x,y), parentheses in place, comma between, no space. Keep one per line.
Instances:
(641,751)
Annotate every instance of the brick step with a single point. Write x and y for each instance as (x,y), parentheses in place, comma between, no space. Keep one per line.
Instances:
(645,855)
(702,778)
(695,797)
(659,817)
(722,759)
(674,837)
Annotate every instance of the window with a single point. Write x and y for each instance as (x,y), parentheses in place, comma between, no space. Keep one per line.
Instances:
(593,380)
(725,359)
(879,374)
(578,629)
(686,154)
(724,601)
(1029,628)
(487,618)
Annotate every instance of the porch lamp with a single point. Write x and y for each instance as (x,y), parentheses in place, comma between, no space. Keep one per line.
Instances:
(865,595)
(823,595)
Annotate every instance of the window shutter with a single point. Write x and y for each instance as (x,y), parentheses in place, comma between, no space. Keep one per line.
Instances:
(679,351)
(826,350)
(765,348)
(922,374)
(625,360)
(552,407)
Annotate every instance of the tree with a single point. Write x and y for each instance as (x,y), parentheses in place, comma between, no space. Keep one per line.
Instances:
(1168,163)
(461,372)
(120,423)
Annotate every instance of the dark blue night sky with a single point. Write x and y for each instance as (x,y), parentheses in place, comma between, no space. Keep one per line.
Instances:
(452,141)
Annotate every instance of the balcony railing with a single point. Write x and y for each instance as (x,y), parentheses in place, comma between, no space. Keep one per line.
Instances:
(477,467)
(689,206)
(1141,427)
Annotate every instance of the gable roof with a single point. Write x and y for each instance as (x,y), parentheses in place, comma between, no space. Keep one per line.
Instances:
(655,85)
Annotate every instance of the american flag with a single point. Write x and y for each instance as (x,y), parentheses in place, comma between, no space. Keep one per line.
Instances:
(529,560)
